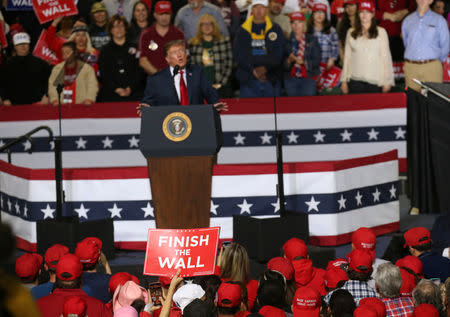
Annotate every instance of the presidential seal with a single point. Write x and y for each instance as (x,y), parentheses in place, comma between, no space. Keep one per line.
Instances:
(272,36)
(177,126)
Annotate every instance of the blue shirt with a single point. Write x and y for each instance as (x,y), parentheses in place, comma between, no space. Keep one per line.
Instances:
(45,289)
(425,38)
(435,266)
(99,283)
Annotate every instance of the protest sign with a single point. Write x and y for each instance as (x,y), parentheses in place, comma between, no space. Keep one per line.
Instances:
(48,10)
(19,5)
(328,77)
(42,50)
(191,250)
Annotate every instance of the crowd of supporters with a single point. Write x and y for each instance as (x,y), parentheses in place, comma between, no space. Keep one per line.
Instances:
(81,284)
(251,48)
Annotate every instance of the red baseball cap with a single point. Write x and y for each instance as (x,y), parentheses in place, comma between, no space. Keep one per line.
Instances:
(365,311)
(297,16)
(74,306)
(271,311)
(338,263)
(28,265)
(408,283)
(54,253)
(306,302)
(417,236)
(411,262)
(229,295)
(366,5)
(165,281)
(360,261)
(425,310)
(295,247)
(283,266)
(88,251)
(375,303)
(163,7)
(333,276)
(364,239)
(120,278)
(70,266)
(319,7)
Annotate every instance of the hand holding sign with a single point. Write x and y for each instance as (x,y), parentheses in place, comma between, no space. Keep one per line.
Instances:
(47,10)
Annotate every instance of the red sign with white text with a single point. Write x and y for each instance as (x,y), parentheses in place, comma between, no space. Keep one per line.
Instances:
(191,250)
(3,41)
(42,50)
(328,77)
(446,68)
(48,10)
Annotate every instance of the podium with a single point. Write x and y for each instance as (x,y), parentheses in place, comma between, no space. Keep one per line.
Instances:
(180,144)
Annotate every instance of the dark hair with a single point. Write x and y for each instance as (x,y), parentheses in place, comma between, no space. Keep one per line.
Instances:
(338,285)
(210,284)
(344,25)
(168,45)
(341,302)
(358,276)
(138,304)
(116,18)
(423,247)
(271,292)
(74,284)
(71,45)
(90,267)
(407,269)
(197,308)
(272,275)
(310,25)
(372,33)
(149,15)
(228,310)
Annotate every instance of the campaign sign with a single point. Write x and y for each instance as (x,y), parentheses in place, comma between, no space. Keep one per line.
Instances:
(42,50)
(19,5)
(328,78)
(48,10)
(446,68)
(191,250)
(398,70)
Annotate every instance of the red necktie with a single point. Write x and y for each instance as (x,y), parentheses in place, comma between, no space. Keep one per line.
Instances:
(184,98)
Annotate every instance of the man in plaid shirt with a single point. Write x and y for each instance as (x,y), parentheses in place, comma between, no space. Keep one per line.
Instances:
(359,271)
(388,281)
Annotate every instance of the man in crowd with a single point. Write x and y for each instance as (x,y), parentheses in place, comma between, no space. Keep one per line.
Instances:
(418,241)
(228,299)
(188,16)
(426,292)
(259,52)
(97,29)
(24,73)
(388,281)
(121,7)
(28,268)
(68,284)
(275,15)
(153,39)
(426,38)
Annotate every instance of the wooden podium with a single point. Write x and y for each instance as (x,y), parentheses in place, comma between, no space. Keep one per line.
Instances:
(180,144)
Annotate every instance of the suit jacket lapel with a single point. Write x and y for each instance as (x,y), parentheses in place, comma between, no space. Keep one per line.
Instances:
(189,82)
(172,86)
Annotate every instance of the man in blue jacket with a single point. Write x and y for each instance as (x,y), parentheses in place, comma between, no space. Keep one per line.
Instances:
(259,50)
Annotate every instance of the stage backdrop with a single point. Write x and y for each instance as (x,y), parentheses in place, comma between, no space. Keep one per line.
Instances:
(322,128)
(338,196)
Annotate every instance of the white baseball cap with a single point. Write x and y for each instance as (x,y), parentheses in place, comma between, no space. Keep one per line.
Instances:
(21,38)
(186,294)
(263,2)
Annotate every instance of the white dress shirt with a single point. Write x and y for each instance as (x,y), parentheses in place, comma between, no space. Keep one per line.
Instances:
(176,81)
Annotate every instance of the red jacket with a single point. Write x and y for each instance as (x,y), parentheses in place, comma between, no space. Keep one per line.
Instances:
(52,305)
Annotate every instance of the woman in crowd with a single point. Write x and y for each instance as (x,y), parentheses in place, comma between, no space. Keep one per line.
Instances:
(347,21)
(320,26)
(212,51)
(77,77)
(118,64)
(97,28)
(303,61)
(367,63)
(80,36)
(139,22)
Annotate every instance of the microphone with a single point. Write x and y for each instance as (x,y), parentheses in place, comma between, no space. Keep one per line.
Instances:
(176,69)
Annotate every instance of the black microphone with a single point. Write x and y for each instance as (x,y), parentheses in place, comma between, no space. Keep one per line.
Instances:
(176,69)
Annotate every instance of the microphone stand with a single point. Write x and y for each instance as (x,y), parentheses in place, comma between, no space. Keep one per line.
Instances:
(279,149)
(58,160)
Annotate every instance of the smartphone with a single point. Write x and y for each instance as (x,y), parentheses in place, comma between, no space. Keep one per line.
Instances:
(155,292)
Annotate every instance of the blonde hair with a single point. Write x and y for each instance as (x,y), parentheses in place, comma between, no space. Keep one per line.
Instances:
(89,48)
(198,39)
(234,264)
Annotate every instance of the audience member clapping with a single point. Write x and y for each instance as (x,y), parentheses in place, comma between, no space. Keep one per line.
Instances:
(427,292)
(24,73)
(139,22)
(342,304)
(97,29)
(211,50)
(77,78)
(304,59)
(320,27)
(367,63)
(118,64)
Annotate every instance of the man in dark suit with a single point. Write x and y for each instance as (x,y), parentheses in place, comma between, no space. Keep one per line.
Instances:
(179,83)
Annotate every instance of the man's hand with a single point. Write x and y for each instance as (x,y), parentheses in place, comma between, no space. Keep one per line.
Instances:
(260,73)
(139,108)
(7,102)
(221,106)
(57,20)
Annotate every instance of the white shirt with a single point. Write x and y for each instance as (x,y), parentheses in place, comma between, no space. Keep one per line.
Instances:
(176,81)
